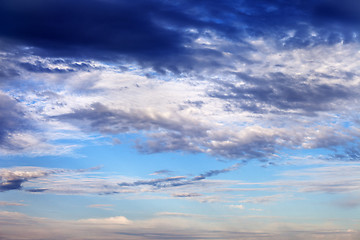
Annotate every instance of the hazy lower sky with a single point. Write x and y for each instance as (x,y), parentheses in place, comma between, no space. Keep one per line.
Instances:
(156,119)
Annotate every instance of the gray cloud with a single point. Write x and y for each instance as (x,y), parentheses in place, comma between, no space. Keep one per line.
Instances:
(39,67)
(186,195)
(162,172)
(178,180)
(176,132)
(280,93)
(160,183)
(105,120)
(13,179)
(12,120)
(216,172)
(38,180)
(351,154)
(7,73)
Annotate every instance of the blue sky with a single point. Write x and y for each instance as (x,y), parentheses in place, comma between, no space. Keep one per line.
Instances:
(179,119)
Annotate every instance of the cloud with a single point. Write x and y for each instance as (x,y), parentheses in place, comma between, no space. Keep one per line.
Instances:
(216,172)
(346,11)
(132,29)
(176,214)
(233,72)
(39,68)
(326,179)
(241,207)
(14,178)
(174,132)
(21,132)
(281,93)
(167,35)
(178,180)
(164,226)
(110,220)
(12,121)
(162,172)
(263,199)
(106,120)
(162,182)
(87,181)
(237,113)
(186,195)
(12,204)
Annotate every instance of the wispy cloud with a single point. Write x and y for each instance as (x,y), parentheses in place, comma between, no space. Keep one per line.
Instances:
(12,204)
(179,180)
(110,220)
(13,178)
(101,206)
(162,172)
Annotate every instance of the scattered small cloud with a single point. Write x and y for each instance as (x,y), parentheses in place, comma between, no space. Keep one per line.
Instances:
(162,172)
(111,220)
(186,195)
(241,207)
(176,214)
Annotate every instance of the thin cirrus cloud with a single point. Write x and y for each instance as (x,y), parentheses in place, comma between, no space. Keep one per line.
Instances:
(14,179)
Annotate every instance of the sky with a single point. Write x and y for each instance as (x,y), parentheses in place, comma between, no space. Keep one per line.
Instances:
(157,119)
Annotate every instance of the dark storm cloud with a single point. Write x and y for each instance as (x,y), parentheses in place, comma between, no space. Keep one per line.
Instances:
(157,32)
(279,93)
(89,29)
(346,11)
